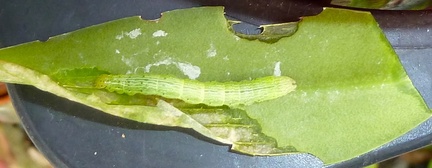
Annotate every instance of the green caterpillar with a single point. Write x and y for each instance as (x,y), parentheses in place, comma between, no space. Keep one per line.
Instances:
(195,92)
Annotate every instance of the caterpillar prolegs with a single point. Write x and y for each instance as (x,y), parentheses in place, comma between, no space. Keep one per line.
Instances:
(195,92)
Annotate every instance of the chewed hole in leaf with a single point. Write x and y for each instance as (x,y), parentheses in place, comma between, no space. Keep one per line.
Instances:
(236,126)
(246,28)
(232,133)
(259,149)
(266,33)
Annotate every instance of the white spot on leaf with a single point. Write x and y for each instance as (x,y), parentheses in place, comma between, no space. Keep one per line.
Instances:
(277,71)
(211,52)
(160,33)
(117,51)
(167,61)
(127,61)
(134,33)
(119,37)
(188,69)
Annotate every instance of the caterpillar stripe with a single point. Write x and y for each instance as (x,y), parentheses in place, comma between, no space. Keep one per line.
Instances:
(195,92)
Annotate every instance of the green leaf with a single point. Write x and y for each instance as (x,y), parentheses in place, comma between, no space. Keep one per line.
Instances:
(353,95)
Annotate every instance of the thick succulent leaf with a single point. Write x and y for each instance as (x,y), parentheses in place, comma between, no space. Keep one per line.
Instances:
(352,96)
